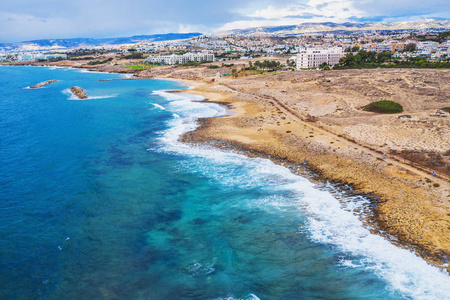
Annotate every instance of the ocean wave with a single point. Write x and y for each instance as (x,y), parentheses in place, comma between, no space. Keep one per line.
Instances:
(57,68)
(90,71)
(329,221)
(127,75)
(73,97)
(248,297)
(158,106)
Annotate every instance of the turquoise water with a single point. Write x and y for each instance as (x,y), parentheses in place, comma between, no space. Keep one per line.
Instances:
(100,201)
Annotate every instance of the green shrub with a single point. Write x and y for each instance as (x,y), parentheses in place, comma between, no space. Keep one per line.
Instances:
(133,56)
(213,67)
(384,107)
(446,153)
(191,64)
(447,109)
(99,62)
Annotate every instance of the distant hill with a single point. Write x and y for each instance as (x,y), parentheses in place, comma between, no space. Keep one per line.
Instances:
(337,27)
(89,42)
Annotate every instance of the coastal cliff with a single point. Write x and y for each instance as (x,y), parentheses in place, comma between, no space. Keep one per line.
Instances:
(79,92)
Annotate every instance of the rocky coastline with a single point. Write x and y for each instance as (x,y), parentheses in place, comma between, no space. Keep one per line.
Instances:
(409,205)
(403,209)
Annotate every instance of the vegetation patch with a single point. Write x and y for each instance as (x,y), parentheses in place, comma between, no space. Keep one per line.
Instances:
(384,107)
(370,59)
(100,62)
(446,109)
(133,56)
(141,67)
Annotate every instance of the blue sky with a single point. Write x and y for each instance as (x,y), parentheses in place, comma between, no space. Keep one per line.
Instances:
(22,20)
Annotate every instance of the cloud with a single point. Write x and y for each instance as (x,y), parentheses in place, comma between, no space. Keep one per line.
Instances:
(297,13)
(28,19)
(34,25)
(109,18)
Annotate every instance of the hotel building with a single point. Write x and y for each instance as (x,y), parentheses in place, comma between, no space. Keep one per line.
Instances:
(313,58)
(205,55)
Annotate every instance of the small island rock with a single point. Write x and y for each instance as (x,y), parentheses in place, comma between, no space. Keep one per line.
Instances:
(39,85)
(77,91)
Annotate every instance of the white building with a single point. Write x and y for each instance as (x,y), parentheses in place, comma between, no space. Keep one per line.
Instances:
(37,56)
(313,58)
(428,46)
(205,55)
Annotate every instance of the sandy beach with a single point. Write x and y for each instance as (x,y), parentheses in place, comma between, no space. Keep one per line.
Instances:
(312,121)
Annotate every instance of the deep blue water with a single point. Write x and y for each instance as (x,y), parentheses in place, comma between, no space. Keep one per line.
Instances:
(98,200)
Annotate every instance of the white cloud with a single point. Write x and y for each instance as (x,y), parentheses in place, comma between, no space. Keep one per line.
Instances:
(13,24)
(184,28)
(29,19)
(312,11)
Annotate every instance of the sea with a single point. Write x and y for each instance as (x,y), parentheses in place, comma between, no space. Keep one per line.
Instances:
(100,200)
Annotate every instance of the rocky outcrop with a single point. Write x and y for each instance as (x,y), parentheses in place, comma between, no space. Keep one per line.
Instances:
(440,113)
(78,92)
(39,85)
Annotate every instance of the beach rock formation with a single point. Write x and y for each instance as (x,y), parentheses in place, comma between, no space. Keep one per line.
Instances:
(39,85)
(78,92)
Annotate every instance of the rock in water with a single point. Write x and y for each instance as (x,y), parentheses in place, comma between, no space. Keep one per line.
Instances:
(77,91)
(39,85)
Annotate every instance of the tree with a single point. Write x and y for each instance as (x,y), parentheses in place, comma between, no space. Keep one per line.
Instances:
(355,48)
(347,61)
(384,56)
(411,47)
(324,66)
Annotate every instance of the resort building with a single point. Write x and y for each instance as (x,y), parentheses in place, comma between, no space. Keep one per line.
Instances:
(37,56)
(387,46)
(313,58)
(205,55)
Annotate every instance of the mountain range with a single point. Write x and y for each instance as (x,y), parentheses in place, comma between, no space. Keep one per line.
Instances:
(330,27)
(327,27)
(89,42)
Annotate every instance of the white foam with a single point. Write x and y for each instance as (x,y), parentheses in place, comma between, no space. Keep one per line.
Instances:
(128,75)
(158,106)
(73,97)
(90,71)
(101,97)
(248,297)
(329,221)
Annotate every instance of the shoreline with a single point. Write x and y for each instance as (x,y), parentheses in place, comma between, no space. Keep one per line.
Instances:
(207,133)
(282,148)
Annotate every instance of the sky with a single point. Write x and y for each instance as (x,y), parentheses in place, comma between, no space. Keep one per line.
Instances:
(22,20)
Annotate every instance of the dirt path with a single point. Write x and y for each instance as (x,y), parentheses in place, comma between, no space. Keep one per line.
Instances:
(427,173)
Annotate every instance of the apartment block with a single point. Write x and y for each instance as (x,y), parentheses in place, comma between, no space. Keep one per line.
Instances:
(205,55)
(313,58)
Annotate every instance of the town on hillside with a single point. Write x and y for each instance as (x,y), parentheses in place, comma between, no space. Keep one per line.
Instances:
(426,47)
